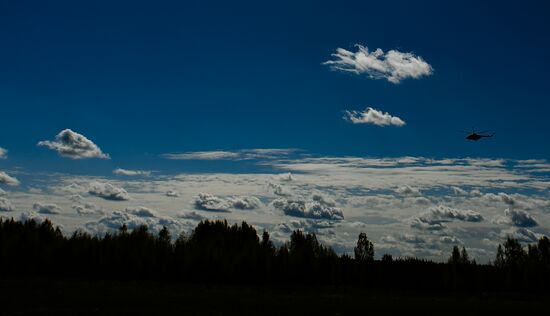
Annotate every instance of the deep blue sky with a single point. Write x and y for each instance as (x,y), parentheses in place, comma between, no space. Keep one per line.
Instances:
(145,78)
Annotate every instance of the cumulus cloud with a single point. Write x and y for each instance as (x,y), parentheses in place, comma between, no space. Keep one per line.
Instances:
(172,193)
(476,193)
(28,216)
(73,145)
(192,216)
(245,202)
(459,191)
(436,216)
(83,207)
(46,208)
(115,220)
(244,154)
(373,116)
(7,179)
(418,200)
(393,66)
(407,190)
(500,197)
(453,240)
(520,233)
(308,226)
(318,207)
(277,189)
(108,191)
(212,203)
(209,202)
(5,205)
(141,211)
(87,209)
(131,173)
(3,153)
(518,218)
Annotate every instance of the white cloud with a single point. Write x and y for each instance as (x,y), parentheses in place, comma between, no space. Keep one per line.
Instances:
(7,179)
(46,208)
(244,154)
(453,240)
(520,233)
(278,189)
(518,218)
(459,191)
(5,205)
(172,193)
(209,202)
(142,212)
(116,219)
(126,172)
(318,207)
(373,116)
(212,203)
(192,216)
(87,208)
(108,191)
(436,216)
(408,190)
(308,226)
(2,192)
(73,145)
(3,153)
(393,66)
(27,216)
(245,202)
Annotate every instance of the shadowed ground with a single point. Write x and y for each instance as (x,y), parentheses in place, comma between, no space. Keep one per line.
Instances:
(115,298)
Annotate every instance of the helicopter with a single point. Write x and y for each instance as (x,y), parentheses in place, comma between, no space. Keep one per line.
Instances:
(475,136)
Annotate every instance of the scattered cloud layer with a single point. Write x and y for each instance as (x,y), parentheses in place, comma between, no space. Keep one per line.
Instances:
(108,191)
(373,116)
(131,173)
(73,145)
(3,153)
(7,179)
(393,66)
(245,154)
(335,197)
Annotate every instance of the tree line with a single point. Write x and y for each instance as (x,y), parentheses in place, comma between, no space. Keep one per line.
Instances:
(216,252)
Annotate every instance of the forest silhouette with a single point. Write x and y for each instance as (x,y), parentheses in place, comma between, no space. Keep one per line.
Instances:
(218,253)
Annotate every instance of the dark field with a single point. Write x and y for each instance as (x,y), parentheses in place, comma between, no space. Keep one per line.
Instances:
(44,296)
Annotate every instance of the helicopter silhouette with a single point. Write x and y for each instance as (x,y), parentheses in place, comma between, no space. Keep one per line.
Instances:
(475,136)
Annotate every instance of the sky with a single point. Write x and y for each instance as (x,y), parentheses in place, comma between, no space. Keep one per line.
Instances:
(333,118)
